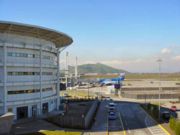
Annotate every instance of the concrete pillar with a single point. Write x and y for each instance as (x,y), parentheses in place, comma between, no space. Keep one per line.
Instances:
(58,75)
(29,111)
(5,78)
(40,62)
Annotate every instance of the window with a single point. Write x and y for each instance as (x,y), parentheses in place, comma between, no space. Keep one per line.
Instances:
(25,55)
(10,54)
(10,110)
(29,91)
(46,57)
(47,73)
(47,89)
(22,73)
(30,55)
(23,91)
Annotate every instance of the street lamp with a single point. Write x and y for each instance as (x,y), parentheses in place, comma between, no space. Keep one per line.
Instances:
(159,62)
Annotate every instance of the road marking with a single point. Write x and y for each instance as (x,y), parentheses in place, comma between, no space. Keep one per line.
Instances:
(164,129)
(154,128)
(124,132)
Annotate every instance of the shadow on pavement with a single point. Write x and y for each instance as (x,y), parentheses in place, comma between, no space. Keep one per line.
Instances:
(130,116)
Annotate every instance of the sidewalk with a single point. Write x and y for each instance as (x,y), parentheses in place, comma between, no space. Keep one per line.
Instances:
(33,126)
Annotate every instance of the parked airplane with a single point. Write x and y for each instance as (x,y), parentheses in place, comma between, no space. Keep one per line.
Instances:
(111,81)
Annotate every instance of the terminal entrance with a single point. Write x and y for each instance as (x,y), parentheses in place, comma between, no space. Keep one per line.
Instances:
(22,112)
(34,110)
(45,108)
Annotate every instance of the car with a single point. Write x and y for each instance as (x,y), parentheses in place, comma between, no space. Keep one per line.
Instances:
(112,104)
(111,109)
(173,108)
(108,98)
(166,115)
(112,116)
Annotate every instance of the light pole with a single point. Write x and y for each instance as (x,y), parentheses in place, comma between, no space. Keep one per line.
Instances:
(159,62)
(67,69)
(88,90)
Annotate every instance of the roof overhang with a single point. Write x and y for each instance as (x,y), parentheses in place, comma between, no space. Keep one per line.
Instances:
(58,38)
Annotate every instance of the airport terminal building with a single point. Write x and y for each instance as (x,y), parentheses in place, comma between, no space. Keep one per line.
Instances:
(29,69)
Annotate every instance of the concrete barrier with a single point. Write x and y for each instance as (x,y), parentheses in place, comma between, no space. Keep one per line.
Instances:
(6,121)
(89,116)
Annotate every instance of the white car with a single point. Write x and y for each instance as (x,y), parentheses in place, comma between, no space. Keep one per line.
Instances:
(112,104)
(111,107)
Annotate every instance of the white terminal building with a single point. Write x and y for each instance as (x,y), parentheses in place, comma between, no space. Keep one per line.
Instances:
(29,69)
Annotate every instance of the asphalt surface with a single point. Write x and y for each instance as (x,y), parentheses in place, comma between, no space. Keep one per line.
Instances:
(100,124)
(137,122)
(131,120)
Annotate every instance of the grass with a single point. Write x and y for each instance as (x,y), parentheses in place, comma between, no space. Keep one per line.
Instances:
(138,76)
(77,93)
(47,132)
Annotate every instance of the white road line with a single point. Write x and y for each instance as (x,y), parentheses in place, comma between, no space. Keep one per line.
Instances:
(122,123)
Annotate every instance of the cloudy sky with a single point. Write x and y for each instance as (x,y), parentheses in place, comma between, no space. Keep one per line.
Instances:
(126,34)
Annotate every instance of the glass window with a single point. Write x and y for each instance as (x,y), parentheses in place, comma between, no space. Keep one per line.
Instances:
(30,55)
(10,110)
(10,54)
(23,91)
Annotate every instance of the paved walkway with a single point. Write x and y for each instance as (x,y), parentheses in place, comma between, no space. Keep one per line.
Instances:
(33,126)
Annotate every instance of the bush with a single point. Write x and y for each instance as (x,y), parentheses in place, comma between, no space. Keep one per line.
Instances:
(172,123)
(177,128)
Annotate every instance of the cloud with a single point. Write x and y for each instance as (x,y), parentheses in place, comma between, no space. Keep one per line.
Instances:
(169,55)
(177,58)
(166,51)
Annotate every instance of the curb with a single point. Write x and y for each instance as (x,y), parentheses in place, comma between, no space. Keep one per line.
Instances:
(164,129)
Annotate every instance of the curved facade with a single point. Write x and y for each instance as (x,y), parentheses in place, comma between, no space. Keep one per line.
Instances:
(29,69)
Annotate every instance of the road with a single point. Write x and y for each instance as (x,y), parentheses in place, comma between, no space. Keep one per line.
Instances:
(137,122)
(132,120)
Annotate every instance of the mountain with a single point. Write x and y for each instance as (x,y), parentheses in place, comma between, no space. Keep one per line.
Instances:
(96,68)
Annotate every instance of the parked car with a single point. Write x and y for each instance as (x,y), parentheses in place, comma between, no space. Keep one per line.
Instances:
(111,109)
(112,116)
(112,104)
(166,115)
(108,98)
(173,108)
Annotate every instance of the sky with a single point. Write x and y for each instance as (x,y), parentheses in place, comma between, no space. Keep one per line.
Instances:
(125,34)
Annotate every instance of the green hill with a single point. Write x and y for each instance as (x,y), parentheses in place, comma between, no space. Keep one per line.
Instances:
(96,68)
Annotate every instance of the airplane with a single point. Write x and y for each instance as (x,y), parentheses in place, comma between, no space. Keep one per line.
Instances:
(111,81)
